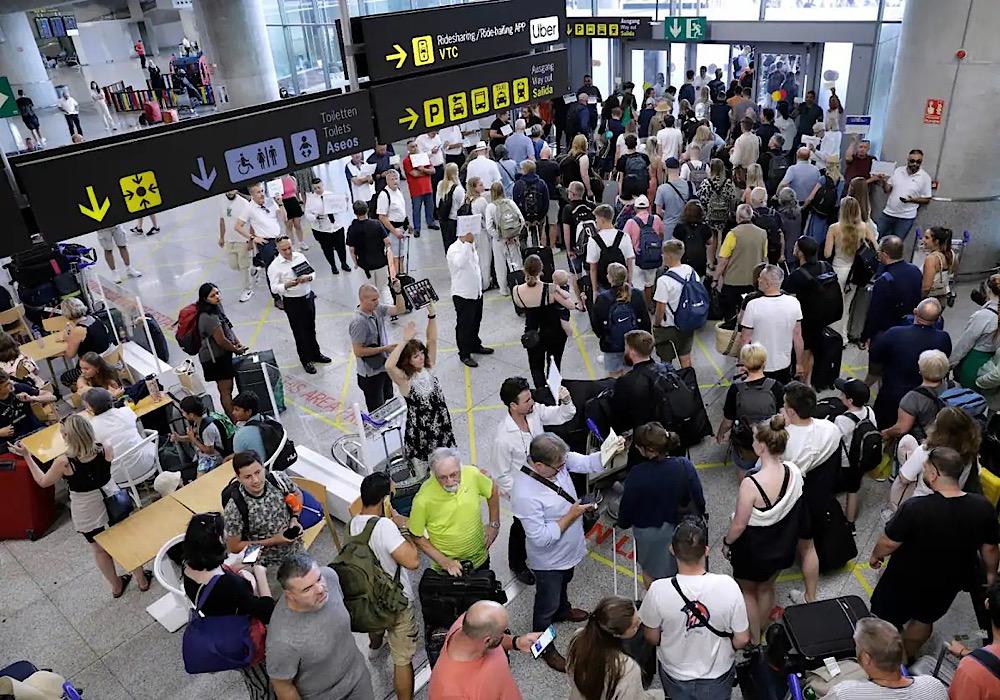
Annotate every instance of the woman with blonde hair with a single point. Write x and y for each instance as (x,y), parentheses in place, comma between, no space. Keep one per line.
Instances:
(451,192)
(86,467)
(753,357)
(822,202)
(858,188)
(575,166)
(543,337)
(843,240)
(475,205)
(84,333)
(621,292)
(499,214)
(657,173)
(755,178)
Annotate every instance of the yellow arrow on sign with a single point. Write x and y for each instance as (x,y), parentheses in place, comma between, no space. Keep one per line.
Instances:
(399,56)
(95,212)
(410,119)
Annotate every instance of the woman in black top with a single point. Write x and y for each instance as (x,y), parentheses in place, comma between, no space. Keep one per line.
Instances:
(698,237)
(543,329)
(84,333)
(86,467)
(233,593)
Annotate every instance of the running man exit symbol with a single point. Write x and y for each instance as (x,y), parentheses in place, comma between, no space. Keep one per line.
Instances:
(141,191)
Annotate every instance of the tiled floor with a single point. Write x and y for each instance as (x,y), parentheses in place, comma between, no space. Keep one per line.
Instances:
(56,611)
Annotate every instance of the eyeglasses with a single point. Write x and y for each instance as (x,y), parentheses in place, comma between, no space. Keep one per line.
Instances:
(914,161)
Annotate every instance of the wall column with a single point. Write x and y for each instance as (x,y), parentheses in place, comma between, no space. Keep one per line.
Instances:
(21,61)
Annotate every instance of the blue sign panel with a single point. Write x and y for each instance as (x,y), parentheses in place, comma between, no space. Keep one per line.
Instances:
(253,161)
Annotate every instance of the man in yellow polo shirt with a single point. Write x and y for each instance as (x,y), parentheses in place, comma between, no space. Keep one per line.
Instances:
(446,518)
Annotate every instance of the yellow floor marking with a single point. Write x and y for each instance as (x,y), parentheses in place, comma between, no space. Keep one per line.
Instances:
(708,356)
(260,325)
(583,351)
(470,419)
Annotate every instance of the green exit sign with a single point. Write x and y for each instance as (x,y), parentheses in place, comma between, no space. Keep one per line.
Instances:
(8,107)
(685,29)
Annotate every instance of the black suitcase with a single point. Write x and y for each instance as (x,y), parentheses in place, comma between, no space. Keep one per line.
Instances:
(545,253)
(404,277)
(250,377)
(858,313)
(113,316)
(835,545)
(828,356)
(811,632)
(160,347)
(38,264)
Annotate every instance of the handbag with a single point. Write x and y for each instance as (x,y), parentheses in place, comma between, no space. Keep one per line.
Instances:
(118,504)
(217,643)
(532,337)
(590,517)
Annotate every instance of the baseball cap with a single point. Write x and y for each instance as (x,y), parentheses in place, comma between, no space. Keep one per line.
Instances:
(672,164)
(854,389)
(641,202)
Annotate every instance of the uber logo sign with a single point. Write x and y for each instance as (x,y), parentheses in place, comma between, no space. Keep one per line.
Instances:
(544,30)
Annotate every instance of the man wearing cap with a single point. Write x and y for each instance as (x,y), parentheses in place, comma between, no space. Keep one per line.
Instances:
(672,195)
(648,258)
(854,394)
(482,167)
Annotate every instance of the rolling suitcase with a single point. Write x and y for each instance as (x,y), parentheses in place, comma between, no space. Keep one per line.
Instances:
(828,356)
(636,646)
(543,252)
(811,632)
(28,510)
(160,347)
(404,277)
(858,313)
(250,377)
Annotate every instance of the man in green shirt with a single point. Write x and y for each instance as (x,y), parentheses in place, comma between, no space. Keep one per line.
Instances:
(446,518)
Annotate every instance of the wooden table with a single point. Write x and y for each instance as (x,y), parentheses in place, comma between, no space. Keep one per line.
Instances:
(146,404)
(204,494)
(47,348)
(138,538)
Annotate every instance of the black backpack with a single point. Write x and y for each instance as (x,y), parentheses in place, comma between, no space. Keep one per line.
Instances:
(865,450)
(825,302)
(536,205)
(609,254)
(637,171)
(271,433)
(824,204)
(767,219)
(679,406)
(865,265)
(754,403)
(466,208)
(776,169)
(233,492)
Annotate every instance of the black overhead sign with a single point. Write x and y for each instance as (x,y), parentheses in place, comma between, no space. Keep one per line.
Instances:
(16,236)
(405,108)
(404,43)
(78,189)
(609,27)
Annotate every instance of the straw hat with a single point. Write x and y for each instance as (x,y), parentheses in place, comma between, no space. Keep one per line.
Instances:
(662,106)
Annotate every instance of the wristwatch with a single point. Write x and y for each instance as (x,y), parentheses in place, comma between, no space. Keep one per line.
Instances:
(494,524)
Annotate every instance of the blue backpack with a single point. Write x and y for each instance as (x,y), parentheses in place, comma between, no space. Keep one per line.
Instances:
(650,254)
(621,320)
(692,308)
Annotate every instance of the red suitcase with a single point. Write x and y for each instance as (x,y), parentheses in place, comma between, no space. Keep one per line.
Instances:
(27,511)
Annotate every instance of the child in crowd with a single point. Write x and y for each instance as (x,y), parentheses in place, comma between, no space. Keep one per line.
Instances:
(205,433)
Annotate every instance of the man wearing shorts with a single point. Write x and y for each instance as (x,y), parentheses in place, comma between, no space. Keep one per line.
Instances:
(238,246)
(109,238)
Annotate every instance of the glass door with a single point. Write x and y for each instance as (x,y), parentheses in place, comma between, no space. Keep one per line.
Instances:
(781,70)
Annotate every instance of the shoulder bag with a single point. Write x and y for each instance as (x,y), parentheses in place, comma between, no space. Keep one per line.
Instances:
(590,517)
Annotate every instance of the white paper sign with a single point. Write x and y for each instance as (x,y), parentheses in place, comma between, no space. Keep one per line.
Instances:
(857,123)
(811,141)
(883,167)
(569,99)
(275,188)
(334,203)
(419,160)
(393,160)
(367,169)
(554,380)
(473,223)
(506,130)
(609,447)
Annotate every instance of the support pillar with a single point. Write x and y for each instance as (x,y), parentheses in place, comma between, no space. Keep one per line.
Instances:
(21,61)
(961,152)
(235,41)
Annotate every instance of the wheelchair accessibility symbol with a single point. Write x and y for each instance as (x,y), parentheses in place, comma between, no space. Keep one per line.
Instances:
(141,191)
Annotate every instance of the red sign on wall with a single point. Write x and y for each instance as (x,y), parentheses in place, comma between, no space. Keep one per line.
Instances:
(933,111)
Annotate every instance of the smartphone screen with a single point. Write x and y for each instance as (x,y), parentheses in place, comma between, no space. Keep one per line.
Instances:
(547,637)
(252,555)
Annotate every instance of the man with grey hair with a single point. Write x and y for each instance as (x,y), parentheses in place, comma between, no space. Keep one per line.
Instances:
(801,177)
(446,519)
(370,341)
(307,656)
(508,169)
(670,340)
(775,321)
(545,501)
(741,251)
(880,653)
(519,145)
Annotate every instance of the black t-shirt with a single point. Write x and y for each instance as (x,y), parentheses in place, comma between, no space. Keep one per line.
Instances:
(573,213)
(496,126)
(548,171)
(367,237)
(231,595)
(25,106)
(729,408)
(695,238)
(631,188)
(940,538)
(803,288)
(17,413)
(765,132)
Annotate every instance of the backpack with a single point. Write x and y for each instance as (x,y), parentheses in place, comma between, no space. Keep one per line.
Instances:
(679,406)
(225,426)
(718,204)
(865,450)
(824,204)
(536,205)
(442,210)
(637,168)
(649,256)
(767,219)
(271,433)
(865,265)
(371,597)
(233,492)
(623,212)
(697,174)
(585,230)
(507,219)
(621,320)
(754,403)
(609,254)
(187,335)
(466,208)
(776,169)
(968,400)
(827,300)
(692,308)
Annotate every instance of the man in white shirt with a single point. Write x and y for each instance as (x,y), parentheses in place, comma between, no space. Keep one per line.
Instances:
(694,163)
(701,80)
(238,246)
(71,110)
(671,341)
(432,144)
(545,501)
(604,216)
(467,295)
(362,187)
(669,139)
(697,620)
(390,205)
(855,395)
(524,421)
(327,231)
(908,188)
(482,167)
(290,275)
(746,149)
(775,321)
(397,556)
(263,220)
(451,138)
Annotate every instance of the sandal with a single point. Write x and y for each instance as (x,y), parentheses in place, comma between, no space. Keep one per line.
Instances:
(125,579)
(149,578)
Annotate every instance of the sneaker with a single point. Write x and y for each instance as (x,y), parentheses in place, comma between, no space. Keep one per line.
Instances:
(796,596)
(245,296)
(345,267)
(137,231)
(303,246)
(117,277)
(153,231)
(132,272)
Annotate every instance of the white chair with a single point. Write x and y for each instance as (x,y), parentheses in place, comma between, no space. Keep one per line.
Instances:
(173,609)
(121,475)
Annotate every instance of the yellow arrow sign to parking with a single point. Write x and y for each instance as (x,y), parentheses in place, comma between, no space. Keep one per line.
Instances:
(95,211)
(399,56)
(410,119)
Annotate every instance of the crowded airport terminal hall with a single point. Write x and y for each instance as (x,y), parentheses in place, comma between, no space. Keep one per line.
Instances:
(499,350)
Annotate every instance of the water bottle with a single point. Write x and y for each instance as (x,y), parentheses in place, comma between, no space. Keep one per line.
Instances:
(154,387)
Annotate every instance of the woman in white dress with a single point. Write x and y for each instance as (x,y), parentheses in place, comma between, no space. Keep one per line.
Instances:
(843,239)
(101,105)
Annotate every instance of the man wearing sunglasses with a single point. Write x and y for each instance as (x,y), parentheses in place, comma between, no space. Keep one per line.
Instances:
(908,188)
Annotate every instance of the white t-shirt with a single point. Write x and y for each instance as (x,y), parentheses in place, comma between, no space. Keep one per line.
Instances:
(230,212)
(688,650)
(773,322)
(906,185)
(847,426)
(668,291)
(686,168)
(608,236)
(811,445)
(913,470)
(392,204)
(385,540)
(452,135)
(922,688)
(427,143)
(363,192)
(263,218)
(671,141)
(485,169)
